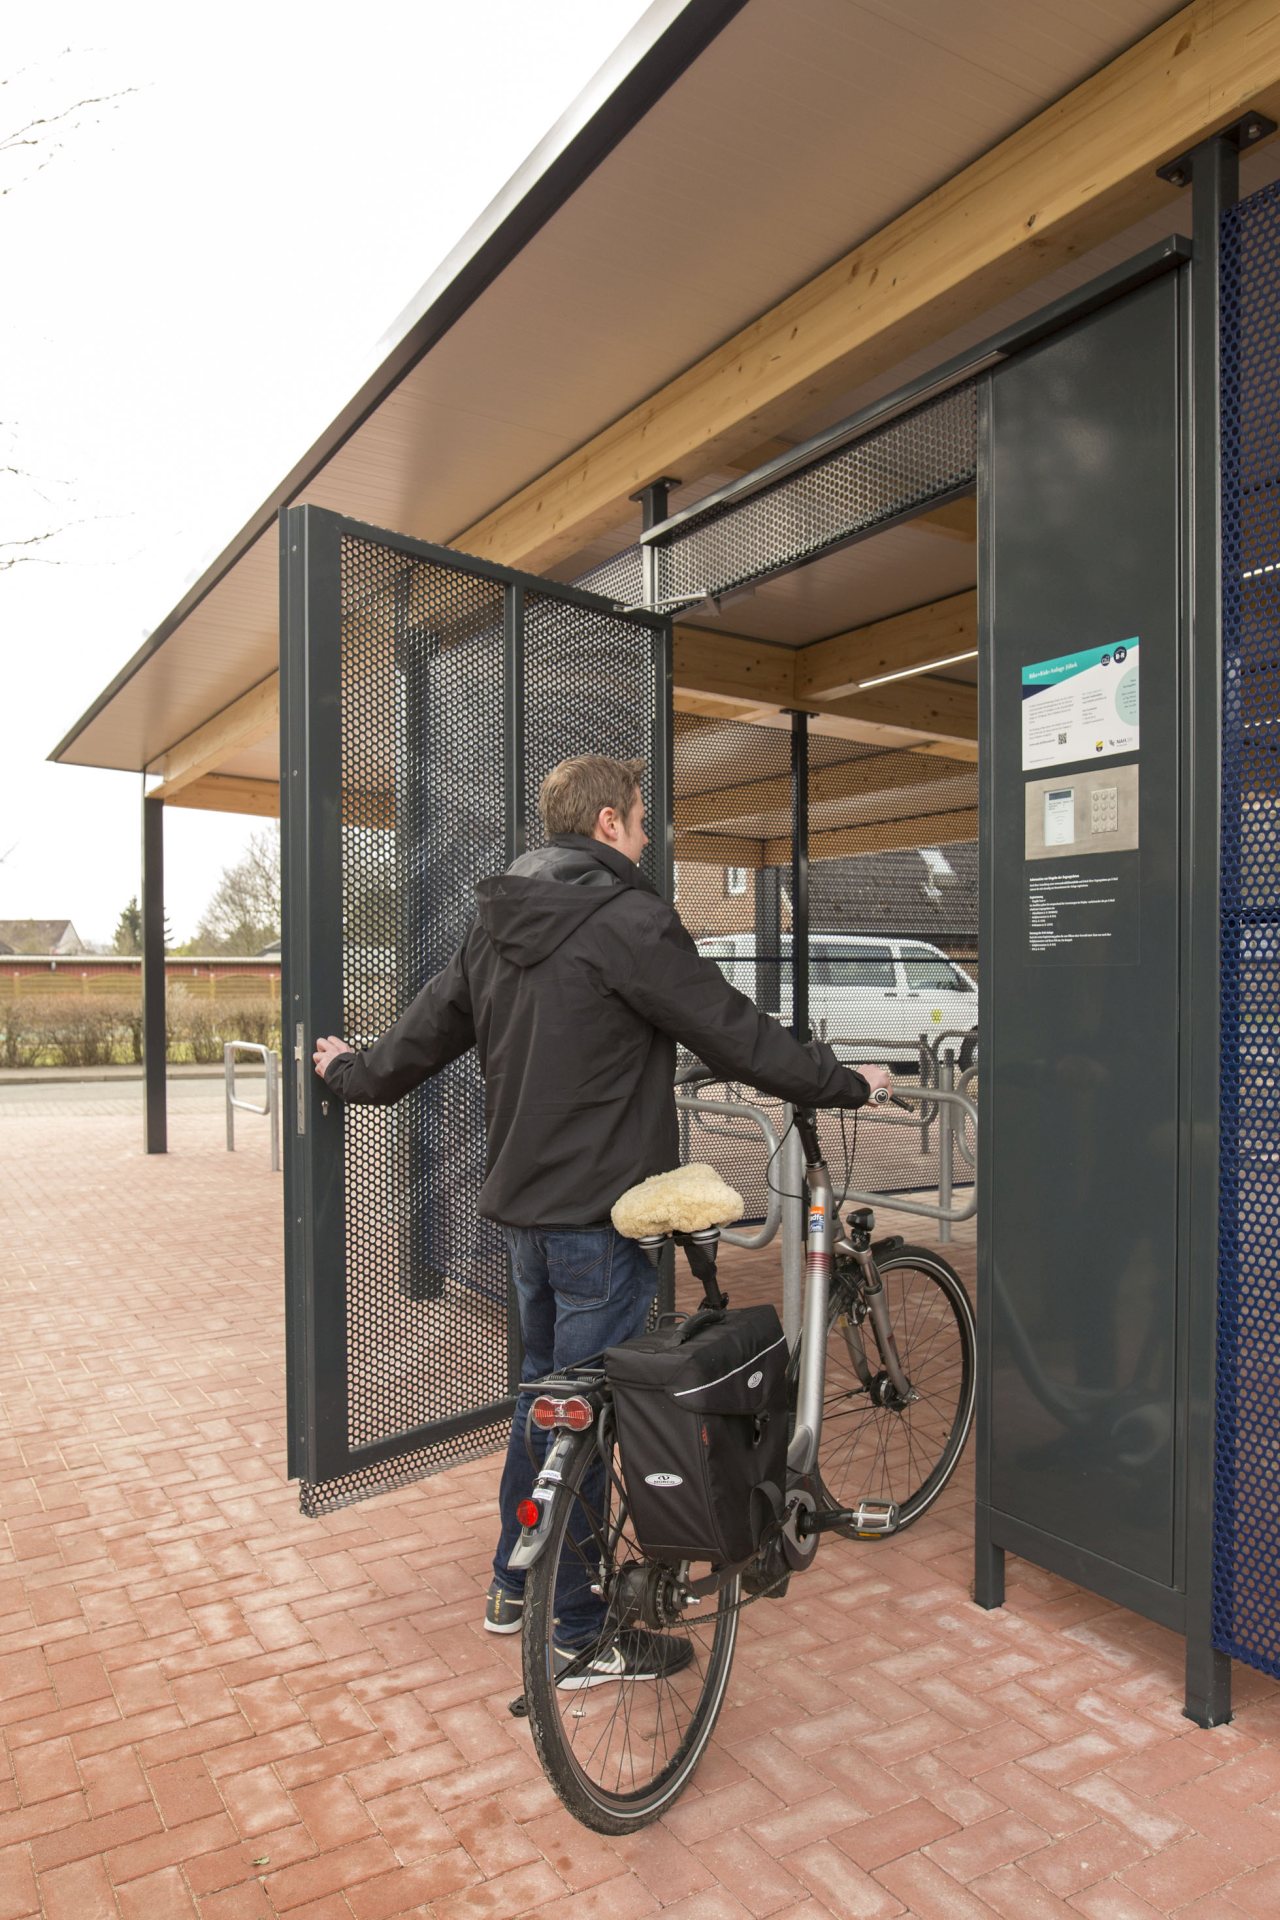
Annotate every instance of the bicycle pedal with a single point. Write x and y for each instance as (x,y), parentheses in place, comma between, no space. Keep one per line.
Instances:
(873,1519)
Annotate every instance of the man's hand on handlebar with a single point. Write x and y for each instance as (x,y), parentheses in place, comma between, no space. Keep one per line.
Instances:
(880,1081)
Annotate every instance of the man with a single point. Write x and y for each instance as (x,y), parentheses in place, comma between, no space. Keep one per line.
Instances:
(574,985)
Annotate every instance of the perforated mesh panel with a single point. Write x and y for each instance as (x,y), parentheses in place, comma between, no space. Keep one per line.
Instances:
(1247,1507)
(431,734)
(620,578)
(893,471)
(893,929)
(588,678)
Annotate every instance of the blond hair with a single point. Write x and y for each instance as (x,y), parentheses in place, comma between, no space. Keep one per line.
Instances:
(571,796)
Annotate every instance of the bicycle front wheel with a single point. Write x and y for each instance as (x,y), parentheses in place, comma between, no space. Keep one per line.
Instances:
(620,1717)
(906,1454)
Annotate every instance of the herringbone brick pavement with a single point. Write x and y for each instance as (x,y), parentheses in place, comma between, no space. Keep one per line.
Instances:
(210,1707)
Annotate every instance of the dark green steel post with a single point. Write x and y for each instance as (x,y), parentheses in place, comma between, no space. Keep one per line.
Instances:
(768,926)
(1215,177)
(155,1124)
(800,875)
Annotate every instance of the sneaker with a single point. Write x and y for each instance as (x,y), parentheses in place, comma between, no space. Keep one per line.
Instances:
(634,1655)
(503,1611)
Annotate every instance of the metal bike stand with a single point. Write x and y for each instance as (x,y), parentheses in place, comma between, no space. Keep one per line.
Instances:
(946,1145)
(270,1108)
(927,1078)
(688,1104)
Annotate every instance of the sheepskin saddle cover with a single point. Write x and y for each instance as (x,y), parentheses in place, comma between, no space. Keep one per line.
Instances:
(682,1201)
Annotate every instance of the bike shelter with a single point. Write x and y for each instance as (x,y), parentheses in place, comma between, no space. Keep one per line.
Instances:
(1128,954)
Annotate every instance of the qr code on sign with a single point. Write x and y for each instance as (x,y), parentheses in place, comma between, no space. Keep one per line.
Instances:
(1062,739)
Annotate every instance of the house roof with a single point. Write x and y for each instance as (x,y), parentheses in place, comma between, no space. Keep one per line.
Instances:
(39,936)
(896,894)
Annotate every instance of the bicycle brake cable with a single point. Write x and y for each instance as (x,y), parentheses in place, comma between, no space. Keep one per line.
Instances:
(768,1169)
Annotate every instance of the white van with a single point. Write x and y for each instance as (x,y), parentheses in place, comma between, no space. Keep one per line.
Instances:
(861,987)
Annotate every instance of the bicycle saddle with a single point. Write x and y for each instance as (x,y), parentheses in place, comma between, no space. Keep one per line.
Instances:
(683,1201)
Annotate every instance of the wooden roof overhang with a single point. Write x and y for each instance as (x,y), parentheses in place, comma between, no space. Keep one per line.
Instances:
(763,217)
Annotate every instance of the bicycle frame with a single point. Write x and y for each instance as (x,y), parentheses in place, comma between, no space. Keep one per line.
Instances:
(820,1239)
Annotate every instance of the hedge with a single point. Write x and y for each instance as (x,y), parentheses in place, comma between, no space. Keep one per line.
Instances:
(84,1030)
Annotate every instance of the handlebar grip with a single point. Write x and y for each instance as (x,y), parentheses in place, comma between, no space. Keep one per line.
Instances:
(880,1097)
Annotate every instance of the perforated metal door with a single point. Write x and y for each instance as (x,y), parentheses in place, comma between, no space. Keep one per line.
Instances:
(1246,1596)
(424,695)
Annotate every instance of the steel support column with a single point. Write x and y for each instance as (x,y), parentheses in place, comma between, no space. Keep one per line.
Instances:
(768,929)
(155,1126)
(1214,171)
(800,875)
(652,501)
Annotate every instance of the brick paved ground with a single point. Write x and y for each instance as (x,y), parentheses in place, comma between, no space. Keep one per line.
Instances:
(211,1707)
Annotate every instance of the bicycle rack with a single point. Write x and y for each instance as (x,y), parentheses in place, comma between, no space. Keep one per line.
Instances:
(945,1213)
(785,1202)
(738,1110)
(270,1107)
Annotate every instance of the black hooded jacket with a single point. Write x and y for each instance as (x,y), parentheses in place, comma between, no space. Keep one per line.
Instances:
(574,984)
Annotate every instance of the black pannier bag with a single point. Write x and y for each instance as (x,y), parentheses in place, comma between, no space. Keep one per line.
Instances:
(701,1409)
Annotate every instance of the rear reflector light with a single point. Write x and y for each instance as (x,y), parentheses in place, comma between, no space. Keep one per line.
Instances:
(528,1513)
(574,1413)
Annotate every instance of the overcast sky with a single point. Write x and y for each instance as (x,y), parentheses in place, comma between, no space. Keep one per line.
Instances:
(171,343)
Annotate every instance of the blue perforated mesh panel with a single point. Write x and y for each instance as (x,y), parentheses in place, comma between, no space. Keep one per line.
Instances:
(1247,1506)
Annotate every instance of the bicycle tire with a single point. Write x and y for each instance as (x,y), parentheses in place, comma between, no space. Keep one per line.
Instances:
(878,1453)
(619,1753)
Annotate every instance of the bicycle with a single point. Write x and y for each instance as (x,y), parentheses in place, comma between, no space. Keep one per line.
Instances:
(880,1394)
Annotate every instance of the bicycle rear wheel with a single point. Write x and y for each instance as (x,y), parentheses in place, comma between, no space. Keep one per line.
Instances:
(904,1454)
(617,1748)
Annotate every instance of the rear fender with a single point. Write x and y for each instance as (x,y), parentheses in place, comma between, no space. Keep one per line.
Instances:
(546,1488)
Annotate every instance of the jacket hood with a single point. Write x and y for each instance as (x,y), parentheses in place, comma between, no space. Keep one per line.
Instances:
(546,895)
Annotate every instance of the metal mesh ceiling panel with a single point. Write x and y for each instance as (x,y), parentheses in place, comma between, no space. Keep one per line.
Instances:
(1247,1506)
(620,578)
(456,687)
(885,475)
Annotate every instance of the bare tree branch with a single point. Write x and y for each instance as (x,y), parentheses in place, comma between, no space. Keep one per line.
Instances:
(36,131)
(35,136)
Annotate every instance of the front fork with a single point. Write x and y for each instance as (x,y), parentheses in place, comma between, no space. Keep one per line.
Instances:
(900,1389)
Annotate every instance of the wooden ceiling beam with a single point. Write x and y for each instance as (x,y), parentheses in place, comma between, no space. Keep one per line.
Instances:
(954,519)
(874,782)
(885,836)
(751,673)
(832,669)
(246,721)
(226,793)
(944,710)
(1071,177)
(725,677)
(719,849)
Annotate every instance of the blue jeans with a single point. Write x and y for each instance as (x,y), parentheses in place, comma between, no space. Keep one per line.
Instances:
(580,1289)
